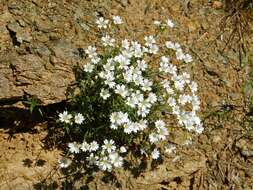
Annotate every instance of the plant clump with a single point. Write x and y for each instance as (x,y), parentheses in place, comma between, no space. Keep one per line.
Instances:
(125,102)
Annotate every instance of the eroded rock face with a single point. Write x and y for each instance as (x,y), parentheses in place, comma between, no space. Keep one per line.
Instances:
(36,59)
(38,76)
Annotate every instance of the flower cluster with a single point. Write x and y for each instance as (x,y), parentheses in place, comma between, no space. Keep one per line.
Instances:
(123,98)
(109,157)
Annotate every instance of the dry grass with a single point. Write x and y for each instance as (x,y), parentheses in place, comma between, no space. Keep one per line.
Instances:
(238,5)
(239,14)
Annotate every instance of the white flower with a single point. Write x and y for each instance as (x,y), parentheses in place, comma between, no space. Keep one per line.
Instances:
(119,118)
(153,49)
(139,96)
(167,87)
(128,53)
(179,85)
(144,104)
(110,83)
(153,137)
(104,164)
(176,110)
(188,119)
(170,23)
(105,93)
(145,49)
(136,48)
(79,118)
(143,112)
(128,75)
(116,160)
(195,103)
(91,51)
(159,123)
(162,132)
(143,124)
(92,159)
(102,23)
(125,44)
(88,67)
(109,77)
(172,101)
(186,77)
(109,66)
(146,86)
(122,60)
(95,60)
(109,145)
(142,65)
(172,69)
(183,99)
(129,128)
(193,86)
(169,90)
(121,90)
(152,98)
(64,162)
(94,146)
(170,45)
(165,59)
(199,128)
(135,127)
(114,117)
(85,146)
(108,41)
(74,147)
(117,20)
(180,55)
(177,47)
(149,40)
(143,108)
(155,154)
(65,117)
(122,149)
(188,58)
(138,79)
(132,101)
(166,83)
(164,67)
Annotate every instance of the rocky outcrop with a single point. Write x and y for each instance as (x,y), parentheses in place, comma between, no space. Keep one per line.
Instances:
(30,74)
(37,53)
(46,76)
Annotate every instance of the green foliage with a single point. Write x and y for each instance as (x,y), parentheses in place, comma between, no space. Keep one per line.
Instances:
(34,104)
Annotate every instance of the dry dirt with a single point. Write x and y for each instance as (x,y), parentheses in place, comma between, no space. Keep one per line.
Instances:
(220,158)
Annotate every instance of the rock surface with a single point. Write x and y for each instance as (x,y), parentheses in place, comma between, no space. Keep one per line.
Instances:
(37,54)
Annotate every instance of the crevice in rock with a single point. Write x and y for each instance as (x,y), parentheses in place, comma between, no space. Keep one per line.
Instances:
(18,120)
(192,181)
(14,39)
(10,101)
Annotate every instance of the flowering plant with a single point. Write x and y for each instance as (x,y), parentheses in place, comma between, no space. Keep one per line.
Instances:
(124,101)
